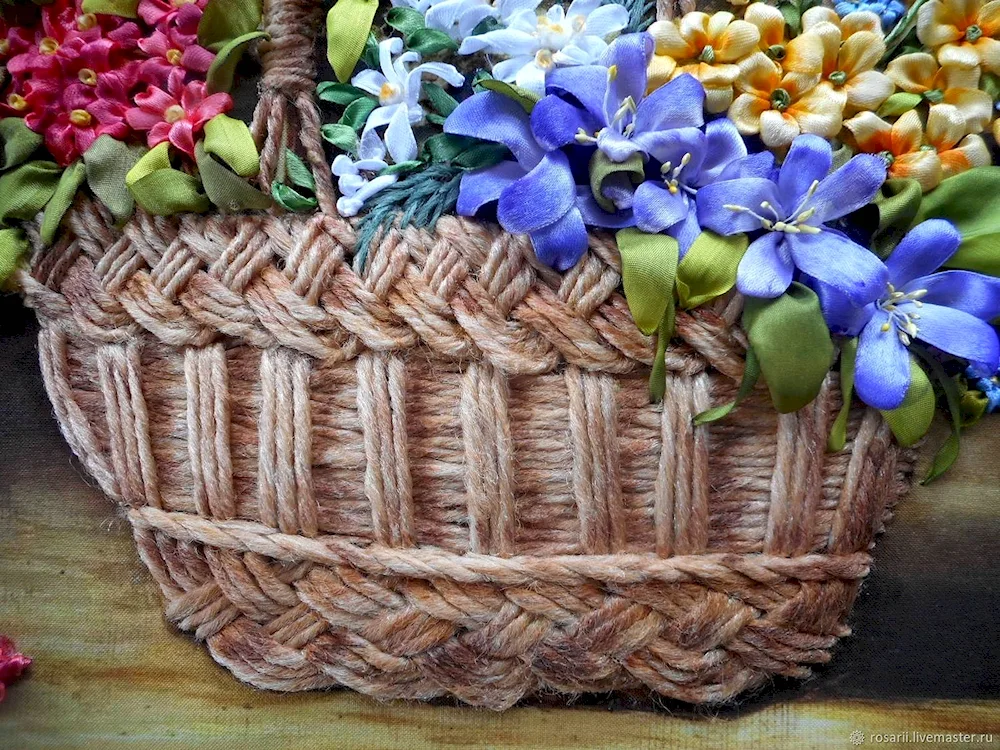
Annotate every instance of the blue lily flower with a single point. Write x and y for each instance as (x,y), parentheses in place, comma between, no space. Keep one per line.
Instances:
(536,194)
(949,311)
(689,160)
(793,208)
(606,104)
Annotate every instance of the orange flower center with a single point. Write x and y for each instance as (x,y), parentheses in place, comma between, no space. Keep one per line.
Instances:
(17,102)
(776,52)
(80,117)
(87,77)
(4,46)
(174,56)
(174,113)
(48,46)
(973,33)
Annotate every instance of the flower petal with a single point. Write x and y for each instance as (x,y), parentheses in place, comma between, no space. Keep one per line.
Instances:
(913,73)
(562,243)
(490,116)
(722,147)
(539,198)
(808,161)
(961,335)
(882,366)
(766,269)
(849,188)
(923,250)
(974,293)
(843,264)
(657,209)
(484,186)
(606,20)
(868,90)
(399,138)
(716,204)
(843,317)
(777,129)
(679,104)
(555,123)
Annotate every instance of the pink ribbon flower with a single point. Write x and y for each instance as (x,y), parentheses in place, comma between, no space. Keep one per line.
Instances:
(172,50)
(178,113)
(12,664)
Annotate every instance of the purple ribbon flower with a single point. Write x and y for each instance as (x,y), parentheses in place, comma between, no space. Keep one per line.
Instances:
(537,193)
(606,105)
(793,209)
(947,310)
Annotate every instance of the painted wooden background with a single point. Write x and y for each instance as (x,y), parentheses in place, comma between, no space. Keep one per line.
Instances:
(111,673)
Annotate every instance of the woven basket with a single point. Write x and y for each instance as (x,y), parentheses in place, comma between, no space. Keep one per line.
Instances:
(443,476)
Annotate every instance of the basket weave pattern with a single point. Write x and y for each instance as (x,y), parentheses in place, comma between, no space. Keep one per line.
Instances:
(443,476)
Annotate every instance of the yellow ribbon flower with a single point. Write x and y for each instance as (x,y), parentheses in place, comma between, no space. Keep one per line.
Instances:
(963,32)
(958,152)
(900,144)
(852,47)
(919,73)
(705,46)
(780,106)
(799,55)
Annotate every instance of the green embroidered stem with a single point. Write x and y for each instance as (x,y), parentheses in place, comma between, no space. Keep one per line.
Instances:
(901,30)
(838,432)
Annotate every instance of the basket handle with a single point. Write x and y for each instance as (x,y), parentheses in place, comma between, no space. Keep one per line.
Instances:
(287,114)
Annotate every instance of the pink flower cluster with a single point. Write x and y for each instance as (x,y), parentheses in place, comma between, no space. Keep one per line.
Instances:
(76,76)
(12,664)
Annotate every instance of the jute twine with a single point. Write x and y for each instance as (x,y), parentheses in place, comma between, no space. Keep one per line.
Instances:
(442,476)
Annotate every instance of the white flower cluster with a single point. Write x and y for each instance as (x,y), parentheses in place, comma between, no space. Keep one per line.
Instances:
(531,44)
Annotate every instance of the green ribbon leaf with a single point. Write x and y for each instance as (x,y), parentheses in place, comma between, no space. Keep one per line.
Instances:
(793,17)
(482,155)
(344,137)
(26,189)
(155,159)
(290,199)
(897,203)
(899,103)
(708,269)
(440,100)
(405,20)
(912,419)
(658,375)
(356,113)
(525,98)
(603,168)
(224,188)
(161,190)
(13,249)
(649,268)
(230,140)
(223,68)
(348,25)
(792,342)
(123,8)
(838,433)
(19,142)
(949,451)
(340,94)
(445,147)
(72,177)
(970,201)
(227,20)
(298,172)
(166,192)
(430,42)
(108,162)
(751,374)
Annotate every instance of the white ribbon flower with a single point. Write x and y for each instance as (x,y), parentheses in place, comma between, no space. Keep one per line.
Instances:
(458,18)
(535,44)
(398,90)
(355,188)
